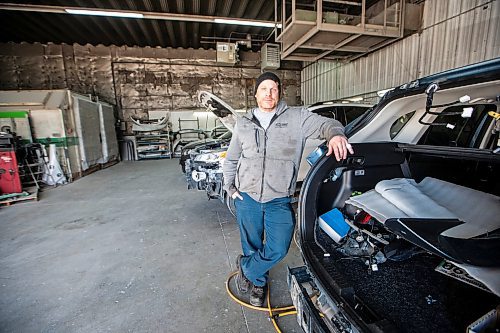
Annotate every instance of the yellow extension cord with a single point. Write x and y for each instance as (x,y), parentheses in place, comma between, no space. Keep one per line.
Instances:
(273,312)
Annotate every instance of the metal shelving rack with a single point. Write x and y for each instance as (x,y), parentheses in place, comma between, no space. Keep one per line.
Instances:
(153,145)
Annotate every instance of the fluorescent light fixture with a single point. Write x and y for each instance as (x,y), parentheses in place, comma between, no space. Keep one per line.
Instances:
(355,99)
(103,13)
(251,23)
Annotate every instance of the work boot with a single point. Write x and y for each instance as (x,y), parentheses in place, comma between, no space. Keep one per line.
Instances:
(257,296)
(242,283)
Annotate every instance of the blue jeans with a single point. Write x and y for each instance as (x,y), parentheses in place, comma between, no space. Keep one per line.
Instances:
(277,220)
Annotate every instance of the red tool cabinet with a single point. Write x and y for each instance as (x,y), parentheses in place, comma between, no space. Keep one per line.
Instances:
(9,172)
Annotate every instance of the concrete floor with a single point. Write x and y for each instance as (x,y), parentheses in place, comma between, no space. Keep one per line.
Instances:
(126,249)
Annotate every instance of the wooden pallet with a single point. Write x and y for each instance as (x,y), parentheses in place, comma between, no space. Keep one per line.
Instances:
(109,164)
(33,195)
(94,168)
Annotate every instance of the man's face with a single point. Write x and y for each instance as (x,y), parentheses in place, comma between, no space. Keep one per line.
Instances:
(267,95)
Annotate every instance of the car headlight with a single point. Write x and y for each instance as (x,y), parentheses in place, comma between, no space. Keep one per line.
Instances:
(210,157)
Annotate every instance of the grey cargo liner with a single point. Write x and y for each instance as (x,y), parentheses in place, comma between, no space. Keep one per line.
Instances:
(436,199)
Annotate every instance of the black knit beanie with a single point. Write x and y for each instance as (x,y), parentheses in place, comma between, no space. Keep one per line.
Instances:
(268,76)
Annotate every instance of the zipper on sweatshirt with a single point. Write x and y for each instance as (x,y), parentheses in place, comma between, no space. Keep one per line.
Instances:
(263,166)
(258,144)
(257,139)
(264,155)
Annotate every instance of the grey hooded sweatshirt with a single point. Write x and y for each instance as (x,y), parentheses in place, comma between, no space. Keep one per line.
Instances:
(264,163)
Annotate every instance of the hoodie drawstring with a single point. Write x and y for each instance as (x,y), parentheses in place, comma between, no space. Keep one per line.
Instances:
(257,139)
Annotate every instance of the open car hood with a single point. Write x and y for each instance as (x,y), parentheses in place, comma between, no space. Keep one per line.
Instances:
(226,114)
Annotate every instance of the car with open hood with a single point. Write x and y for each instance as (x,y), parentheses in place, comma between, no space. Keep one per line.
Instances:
(404,235)
(202,161)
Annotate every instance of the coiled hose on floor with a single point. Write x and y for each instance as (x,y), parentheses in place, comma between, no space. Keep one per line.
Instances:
(273,313)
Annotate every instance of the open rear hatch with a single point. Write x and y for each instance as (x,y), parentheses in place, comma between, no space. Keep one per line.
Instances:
(402,271)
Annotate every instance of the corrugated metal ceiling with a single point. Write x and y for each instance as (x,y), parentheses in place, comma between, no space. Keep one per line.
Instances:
(27,26)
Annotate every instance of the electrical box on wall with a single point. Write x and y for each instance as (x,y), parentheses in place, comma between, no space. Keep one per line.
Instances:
(270,56)
(227,53)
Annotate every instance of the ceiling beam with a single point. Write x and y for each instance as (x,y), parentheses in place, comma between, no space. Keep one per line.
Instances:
(104,31)
(378,46)
(169,25)
(196,25)
(352,49)
(142,24)
(308,35)
(47,28)
(156,26)
(31,28)
(337,46)
(254,9)
(126,22)
(353,3)
(240,11)
(145,15)
(182,25)
(209,29)
(225,10)
(113,24)
(307,57)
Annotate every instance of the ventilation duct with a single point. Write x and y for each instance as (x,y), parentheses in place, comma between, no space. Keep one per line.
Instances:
(270,56)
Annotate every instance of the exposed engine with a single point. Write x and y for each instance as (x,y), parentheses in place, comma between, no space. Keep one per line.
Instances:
(204,171)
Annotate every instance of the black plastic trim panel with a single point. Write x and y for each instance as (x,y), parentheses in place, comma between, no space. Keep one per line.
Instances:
(309,315)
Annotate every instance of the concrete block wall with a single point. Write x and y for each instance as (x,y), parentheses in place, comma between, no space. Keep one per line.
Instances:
(138,80)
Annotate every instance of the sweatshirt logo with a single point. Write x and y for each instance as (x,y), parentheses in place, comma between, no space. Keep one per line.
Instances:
(281,125)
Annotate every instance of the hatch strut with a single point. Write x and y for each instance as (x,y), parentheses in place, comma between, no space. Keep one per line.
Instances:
(431,89)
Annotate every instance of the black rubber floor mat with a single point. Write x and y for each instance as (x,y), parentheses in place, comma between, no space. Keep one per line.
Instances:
(410,293)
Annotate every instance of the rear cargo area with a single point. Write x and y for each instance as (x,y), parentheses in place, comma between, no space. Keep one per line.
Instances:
(409,293)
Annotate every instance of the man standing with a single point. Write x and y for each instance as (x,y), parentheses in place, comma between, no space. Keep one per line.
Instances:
(260,173)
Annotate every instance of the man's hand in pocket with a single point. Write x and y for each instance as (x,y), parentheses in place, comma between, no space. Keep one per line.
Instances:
(237,195)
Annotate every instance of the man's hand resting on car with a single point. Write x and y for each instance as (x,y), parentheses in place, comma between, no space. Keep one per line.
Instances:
(339,146)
